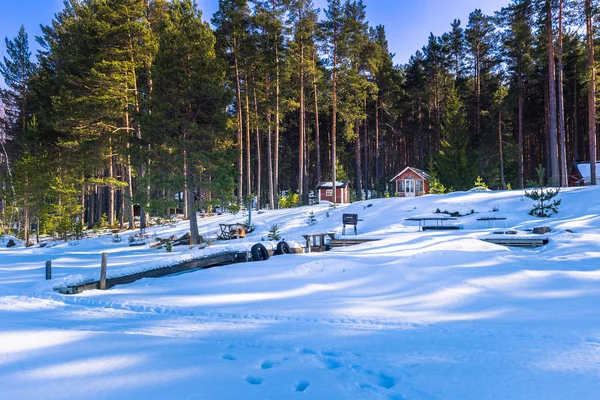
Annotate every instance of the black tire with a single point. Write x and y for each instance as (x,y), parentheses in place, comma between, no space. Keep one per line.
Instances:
(283,248)
(259,252)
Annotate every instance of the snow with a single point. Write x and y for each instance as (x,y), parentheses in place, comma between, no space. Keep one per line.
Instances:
(416,315)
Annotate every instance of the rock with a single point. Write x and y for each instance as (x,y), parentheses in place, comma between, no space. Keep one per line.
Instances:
(11,243)
(540,230)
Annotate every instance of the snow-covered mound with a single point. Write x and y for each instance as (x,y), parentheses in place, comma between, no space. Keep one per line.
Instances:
(415,315)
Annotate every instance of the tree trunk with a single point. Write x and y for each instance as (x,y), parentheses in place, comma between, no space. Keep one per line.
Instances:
(269,146)
(248,153)
(365,160)
(258,156)
(377,160)
(111,189)
(317,137)
(334,127)
(276,146)
(357,160)
(186,188)
(502,181)
(520,170)
(552,123)
(575,119)
(591,91)
(194,235)
(301,158)
(561,103)
(240,141)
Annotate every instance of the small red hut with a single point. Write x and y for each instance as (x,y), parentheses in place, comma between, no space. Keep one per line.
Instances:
(411,182)
(342,191)
(581,173)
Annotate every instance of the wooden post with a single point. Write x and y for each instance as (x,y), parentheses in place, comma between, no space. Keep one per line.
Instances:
(103,267)
(48,270)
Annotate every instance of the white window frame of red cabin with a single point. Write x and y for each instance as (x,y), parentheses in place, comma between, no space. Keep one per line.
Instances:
(329,192)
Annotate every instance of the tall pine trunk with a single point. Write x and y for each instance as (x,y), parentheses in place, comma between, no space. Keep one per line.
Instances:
(276,145)
(301,151)
(258,155)
(240,142)
(591,91)
(520,169)
(248,154)
(334,127)
(502,181)
(317,138)
(561,102)
(269,145)
(357,160)
(552,122)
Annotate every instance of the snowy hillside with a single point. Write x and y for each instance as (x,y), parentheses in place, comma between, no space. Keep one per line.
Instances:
(415,315)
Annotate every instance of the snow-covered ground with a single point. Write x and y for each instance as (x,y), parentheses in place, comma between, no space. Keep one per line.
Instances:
(416,315)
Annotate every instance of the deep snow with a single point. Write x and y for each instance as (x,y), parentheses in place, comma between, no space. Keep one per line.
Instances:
(416,315)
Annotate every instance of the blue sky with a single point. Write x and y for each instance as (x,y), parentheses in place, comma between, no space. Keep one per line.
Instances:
(407,22)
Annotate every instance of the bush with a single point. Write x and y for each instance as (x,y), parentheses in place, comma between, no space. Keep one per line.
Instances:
(289,201)
(479,183)
(274,232)
(544,206)
(311,218)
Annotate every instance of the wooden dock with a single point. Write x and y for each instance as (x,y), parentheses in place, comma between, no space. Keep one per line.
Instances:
(199,263)
(349,242)
(530,242)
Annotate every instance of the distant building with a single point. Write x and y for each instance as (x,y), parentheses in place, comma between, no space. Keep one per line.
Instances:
(581,174)
(411,182)
(325,190)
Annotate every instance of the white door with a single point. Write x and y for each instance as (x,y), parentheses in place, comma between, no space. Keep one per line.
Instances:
(409,188)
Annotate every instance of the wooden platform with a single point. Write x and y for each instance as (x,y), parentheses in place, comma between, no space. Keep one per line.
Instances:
(531,242)
(349,242)
(199,263)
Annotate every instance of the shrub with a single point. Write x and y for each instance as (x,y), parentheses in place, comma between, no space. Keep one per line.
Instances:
(544,206)
(274,232)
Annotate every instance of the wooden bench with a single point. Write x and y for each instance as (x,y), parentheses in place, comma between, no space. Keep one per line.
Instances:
(439,223)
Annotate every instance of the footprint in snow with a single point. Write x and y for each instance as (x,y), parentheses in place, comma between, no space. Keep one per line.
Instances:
(301,386)
(229,357)
(254,380)
(267,364)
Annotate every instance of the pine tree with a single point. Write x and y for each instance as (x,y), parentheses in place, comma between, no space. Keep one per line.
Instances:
(189,108)
(544,206)
(453,163)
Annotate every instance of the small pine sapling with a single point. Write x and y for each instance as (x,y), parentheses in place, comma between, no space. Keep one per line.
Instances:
(311,218)
(169,246)
(480,184)
(274,232)
(544,206)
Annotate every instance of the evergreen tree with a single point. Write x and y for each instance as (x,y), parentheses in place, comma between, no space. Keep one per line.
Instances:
(453,164)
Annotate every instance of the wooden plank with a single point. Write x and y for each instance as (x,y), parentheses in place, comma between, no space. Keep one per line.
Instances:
(201,263)
(518,242)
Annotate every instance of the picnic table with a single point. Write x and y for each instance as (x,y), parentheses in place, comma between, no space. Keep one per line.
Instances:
(234,231)
(319,245)
(439,223)
(492,221)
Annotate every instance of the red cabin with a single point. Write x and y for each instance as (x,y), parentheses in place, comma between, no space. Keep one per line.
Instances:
(342,191)
(411,182)
(581,175)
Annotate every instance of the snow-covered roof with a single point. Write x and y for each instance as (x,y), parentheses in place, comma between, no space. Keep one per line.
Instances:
(585,171)
(423,174)
(329,185)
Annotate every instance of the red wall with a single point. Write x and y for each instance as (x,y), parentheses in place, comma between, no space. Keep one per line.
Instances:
(343,195)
